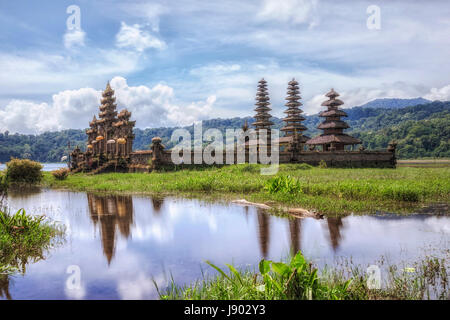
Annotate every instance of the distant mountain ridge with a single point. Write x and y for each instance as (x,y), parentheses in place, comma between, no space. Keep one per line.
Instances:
(394,103)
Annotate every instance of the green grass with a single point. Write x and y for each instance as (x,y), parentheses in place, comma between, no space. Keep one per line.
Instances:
(24,239)
(299,279)
(328,190)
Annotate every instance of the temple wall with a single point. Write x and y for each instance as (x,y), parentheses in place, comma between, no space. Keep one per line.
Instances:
(141,160)
(351,159)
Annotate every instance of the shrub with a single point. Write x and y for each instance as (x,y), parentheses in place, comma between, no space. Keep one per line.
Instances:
(23,171)
(283,184)
(61,174)
(322,164)
(304,166)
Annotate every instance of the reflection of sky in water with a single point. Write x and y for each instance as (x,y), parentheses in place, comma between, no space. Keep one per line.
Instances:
(123,243)
(46,166)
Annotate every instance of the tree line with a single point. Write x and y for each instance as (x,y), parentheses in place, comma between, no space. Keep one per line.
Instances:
(420,131)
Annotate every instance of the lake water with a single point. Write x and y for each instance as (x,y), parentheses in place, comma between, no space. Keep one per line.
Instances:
(121,244)
(47,166)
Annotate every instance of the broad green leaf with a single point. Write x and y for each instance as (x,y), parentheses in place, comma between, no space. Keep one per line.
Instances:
(298,260)
(281,268)
(264,266)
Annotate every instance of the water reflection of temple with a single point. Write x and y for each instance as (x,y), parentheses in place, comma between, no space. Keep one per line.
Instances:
(264,221)
(295,226)
(4,287)
(157,204)
(112,214)
(264,231)
(334,228)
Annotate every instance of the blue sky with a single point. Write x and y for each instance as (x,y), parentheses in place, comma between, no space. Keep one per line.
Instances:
(174,62)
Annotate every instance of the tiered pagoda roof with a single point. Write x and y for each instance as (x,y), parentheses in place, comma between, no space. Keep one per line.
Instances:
(93,126)
(111,127)
(333,126)
(293,119)
(124,119)
(262,107)
(108,111)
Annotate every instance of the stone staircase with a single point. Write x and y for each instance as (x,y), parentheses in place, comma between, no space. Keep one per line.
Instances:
(103,167)
(80,167)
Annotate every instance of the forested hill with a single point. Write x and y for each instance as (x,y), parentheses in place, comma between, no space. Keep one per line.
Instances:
(394,103)
(421,131)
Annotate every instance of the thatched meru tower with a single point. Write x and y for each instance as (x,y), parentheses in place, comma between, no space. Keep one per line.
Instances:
(262,107)
(262,117)
(293,120)
(333,137)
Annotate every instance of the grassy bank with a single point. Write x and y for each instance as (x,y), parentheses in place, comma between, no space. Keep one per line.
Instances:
(300,280)
(324,189)
(24,239)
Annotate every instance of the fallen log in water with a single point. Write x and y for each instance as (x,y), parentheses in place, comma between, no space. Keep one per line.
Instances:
(295,212)
(248,203)
(303,213)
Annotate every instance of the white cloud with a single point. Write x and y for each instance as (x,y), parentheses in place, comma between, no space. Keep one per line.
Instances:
(73,38)
(289,11)
(37,73)
(442,94)
(139,287)
(135,37)
(151,12)
(27,117)
(70,109)
(215,68)
(157,106)
(75,294)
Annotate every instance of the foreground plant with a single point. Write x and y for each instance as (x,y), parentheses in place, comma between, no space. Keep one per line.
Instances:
(300,280)
(297,279)
(24,239)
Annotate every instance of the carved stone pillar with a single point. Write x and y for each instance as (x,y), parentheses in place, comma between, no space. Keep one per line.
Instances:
(157,153)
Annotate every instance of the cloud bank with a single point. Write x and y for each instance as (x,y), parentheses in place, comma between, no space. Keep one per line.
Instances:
(73,109)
